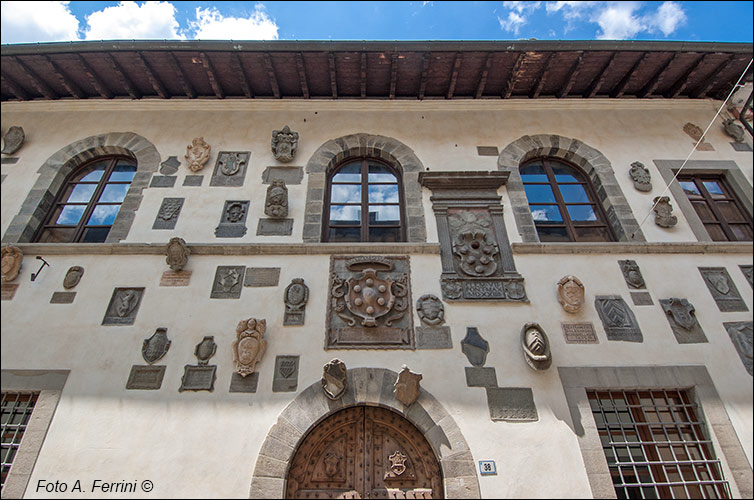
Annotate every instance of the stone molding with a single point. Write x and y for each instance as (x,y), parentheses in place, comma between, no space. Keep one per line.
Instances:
(387,149)
(54,171)
(594,164)
(372,387)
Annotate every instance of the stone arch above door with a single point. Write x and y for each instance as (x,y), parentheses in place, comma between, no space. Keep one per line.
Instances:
(590,160)
(366,386)
(390,150)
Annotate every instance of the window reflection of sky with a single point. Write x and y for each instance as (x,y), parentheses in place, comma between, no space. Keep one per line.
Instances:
(82,192)
(384,214)
(345,213)
(537,193)
(581,212)
(94,175)
(345,193)
(123,173)
(574,193)
(103,215)
(71,214)
(114,193)
(383,193)
(546,213)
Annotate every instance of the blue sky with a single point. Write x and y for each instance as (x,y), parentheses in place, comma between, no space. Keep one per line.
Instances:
(718,21)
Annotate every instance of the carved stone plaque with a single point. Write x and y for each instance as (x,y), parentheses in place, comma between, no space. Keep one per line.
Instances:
(433,337)
(233,219)
(641,176)
(275,227)
(276,202)
(124,304)
(740,333)
(334,379)
(749,273)
(664,212)
(406,388)
(723,289)
(170,166)
(295,297)
(514,404)
(193,180)
(62,297)
(145,377)
(167,215)
(696,133)
(641,298)
(249,346)
(370,303)
(475,347)
(227,283)
(72,277)
(632,274)
(290,175)
(244,384)
(8,290)
(477,376)
(284,144)
(175,278)
(536,346)
(13,140)
(430,310)
(230,168)
(197,154)
(163,181)
(198,378)
(285,378)
(683,322)
(177,253)
(617,318)
(156,346)
(571,293)
(579,333)
(262,276)
(733,129)
(11,261)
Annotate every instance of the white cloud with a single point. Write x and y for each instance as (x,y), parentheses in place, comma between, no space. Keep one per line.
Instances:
(210,24)
(618,21)
(517,15)
(513,23)
(129,20)
(669,16)
(23,22)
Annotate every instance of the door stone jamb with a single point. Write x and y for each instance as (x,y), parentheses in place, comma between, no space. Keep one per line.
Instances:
(373,387)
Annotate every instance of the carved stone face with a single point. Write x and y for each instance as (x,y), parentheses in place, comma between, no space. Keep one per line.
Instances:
(235,212)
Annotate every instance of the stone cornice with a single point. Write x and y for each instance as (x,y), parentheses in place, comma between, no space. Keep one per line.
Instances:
(463,180)
(633,248)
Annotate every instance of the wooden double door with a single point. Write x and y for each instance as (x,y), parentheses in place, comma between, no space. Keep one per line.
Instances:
(364,452)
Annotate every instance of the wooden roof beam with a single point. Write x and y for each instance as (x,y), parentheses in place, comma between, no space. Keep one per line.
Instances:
(657,78)
(36,81)
(571,78)
(714,79)
(235,61)
(680,84)
(483,76)
(363,75)
(66,82)
(123,77)
(271,75)
(213,80)
(596,84)
(621,87)
(99,86)
(333,75)
(423,80)
(154,80)
(393,74)
(14,87)
(516,72)
(182,78)
(543,75)
(454,75)
(301,69)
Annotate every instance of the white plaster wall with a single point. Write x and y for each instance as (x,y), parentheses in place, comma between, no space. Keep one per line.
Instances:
(205,444)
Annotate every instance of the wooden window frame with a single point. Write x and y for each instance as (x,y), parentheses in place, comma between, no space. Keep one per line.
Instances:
(711,202)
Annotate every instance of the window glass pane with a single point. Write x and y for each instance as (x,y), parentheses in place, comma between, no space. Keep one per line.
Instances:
(57,235)
(564,173)
(69,214)
(553,234)
(103,215)
(581,212)
(742,232)
(385,234)
(716,232)
(123,171)
(592,234)
(345,193)
(546,213)
(114,193)
(534,172)
(574,193)
(95,234)
(345,214)
(714,189)
(80,192)
(730,211)
(94,172)
(384,214)
(689,188)
(345,234)
(348,173)
(380,173)
(383,193)
(703,211)
(539,193)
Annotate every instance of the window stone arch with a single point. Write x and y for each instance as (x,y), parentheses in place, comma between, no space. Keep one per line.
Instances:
(54,171)
(389,150)
(594,164)
(374,387)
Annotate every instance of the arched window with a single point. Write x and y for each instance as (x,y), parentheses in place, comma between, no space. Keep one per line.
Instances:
(364,203)
(89,201)
(563,203)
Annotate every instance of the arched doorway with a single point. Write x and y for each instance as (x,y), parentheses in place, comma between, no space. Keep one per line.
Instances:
(364,452)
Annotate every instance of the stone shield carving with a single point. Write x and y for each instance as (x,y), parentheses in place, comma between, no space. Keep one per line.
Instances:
(617,318)
(156,346)
(10,262)
(205,350)
(406,388)
(536,346)
(571,293)
(276,203)
(197,154)
(334,379)
(72,277)
(230,163)
(632,273)
(475,347)
(733,129)
(13,140)
(249,346)
(177,253)
(397,463)
(284,144)
(473,244)
(682,312)
(664,212)
(740,334)
(296,296)
(641,176)
(125,302)
(430,310)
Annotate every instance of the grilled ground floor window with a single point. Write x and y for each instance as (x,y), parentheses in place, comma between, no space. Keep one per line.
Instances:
(656,445)
(16,411)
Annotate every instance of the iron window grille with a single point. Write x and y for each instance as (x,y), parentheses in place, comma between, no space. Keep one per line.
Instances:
(16,409)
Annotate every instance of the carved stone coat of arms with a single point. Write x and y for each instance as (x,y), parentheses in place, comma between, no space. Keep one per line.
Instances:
(249,346)
(156,346)
(334,379)
(406,387)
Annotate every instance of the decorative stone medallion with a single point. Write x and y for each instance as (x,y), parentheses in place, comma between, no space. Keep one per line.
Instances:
(13,140)
(430,310)
(284,144)
(167,216)
(723,289)
(664,212)
(641,177)
(334,379)
(10,262)
(733,129)
(571,293)
(296,296)
(536,346)
(740,333)
(683,322)
(72,277)
(249,346)
(276,202)
(170,166)
(475,347)
(749,273)
(632,274)
(156,346)
(123,306)
(369,301)
(579,333)
(197,154)
(617,319)
(230,168)
(696,133)
(177,253)
(285,378)
(233,219)
(228,281)
(406,387)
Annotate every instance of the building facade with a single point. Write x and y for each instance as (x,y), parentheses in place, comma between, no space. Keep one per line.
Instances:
(377,270)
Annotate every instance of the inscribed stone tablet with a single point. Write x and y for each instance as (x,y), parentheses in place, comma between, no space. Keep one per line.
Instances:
(289,175)
(198,378)
(175,278)
(193,180)
(163,181)
(62,297)
(477,376)
(579,333)
(244,384)
(145,377)
(275,227)
(433,337)
(8,290)
(511,404)
(124,304)
(262,276)
(642,298)
(286,374)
